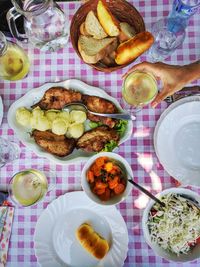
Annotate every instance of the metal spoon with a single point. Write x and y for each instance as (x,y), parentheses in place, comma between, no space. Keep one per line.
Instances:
(130,180)
(81,106)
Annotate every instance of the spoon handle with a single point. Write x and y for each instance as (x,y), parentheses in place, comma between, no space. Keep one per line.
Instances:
(122,116)
(146,192)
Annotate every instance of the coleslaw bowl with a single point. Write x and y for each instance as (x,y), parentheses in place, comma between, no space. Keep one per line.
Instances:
(193,253)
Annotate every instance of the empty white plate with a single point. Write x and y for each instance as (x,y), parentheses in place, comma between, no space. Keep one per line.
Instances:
(55,241)
(177,140)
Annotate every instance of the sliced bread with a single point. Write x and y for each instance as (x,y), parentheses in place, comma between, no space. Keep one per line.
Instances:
(126,32)
(93,27)
(93,50)
(83,30)
(107,20)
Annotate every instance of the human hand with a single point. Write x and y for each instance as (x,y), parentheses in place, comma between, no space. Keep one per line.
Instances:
(172,77)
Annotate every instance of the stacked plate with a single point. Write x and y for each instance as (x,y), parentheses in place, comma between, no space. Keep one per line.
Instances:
(177,140)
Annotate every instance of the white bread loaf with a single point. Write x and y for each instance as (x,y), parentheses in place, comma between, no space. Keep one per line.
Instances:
(93,27)
(133,48)
(93,50)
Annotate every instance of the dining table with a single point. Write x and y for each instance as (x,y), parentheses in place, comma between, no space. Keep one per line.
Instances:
(138,150)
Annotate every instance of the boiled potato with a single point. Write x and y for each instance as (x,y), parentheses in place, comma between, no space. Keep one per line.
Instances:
(59,126)
(37,112)
(40,123)
(33,122)
(51,115)
(64,115)
(75,130)
(23,116)
(43,124)
(77,116)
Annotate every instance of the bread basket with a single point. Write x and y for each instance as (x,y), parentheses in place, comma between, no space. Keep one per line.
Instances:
(121,9)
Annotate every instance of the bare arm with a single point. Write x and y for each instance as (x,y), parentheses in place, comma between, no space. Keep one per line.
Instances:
(173,77)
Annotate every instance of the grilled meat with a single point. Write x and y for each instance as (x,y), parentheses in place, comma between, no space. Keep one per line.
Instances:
(58,145)
(95,139)
(101,105)
(57,98)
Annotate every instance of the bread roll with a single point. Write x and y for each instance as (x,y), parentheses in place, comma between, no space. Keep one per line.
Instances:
(133,48)
(107,20)
(91,241)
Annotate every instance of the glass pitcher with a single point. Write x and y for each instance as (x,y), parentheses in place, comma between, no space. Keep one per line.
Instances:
(45,24)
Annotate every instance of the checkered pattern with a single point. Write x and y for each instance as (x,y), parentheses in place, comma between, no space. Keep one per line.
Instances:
(139,150)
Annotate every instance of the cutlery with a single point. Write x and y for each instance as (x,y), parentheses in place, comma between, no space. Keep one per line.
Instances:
(146,192)
(81,106)
(186,91)
(141,188)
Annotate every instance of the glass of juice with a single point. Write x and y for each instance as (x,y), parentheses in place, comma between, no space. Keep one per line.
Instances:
(139,89)
(28,187)
(14,62)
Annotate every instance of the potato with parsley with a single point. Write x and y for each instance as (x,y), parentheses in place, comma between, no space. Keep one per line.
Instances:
(77,116)
(75,130)
(23,116)
(59,126)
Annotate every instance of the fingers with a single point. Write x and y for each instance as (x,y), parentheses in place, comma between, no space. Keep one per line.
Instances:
(160,97)
(144,66)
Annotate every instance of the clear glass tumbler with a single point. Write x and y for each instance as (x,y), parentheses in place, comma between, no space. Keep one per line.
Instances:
(9,151)
(28,187)
(168,35)
(139,89)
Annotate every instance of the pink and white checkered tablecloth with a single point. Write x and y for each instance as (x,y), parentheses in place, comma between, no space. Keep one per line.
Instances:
(139,150)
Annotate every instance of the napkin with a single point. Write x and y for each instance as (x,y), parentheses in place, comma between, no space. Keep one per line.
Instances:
(6,219)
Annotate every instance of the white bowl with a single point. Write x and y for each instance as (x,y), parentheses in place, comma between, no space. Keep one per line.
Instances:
(194,253)
(86,187)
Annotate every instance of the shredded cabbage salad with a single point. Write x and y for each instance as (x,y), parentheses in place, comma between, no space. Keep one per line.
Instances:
(175,227)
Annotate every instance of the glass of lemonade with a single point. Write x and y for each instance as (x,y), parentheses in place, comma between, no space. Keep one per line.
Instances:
(28,187)
(14,62)
(139,89)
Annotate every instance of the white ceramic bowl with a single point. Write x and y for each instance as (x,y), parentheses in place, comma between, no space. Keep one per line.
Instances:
(194,253)
(86,187)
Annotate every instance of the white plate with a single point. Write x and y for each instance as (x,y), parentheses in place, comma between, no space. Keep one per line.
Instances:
(176,140)
(1,110)
(55,242)
(34,95)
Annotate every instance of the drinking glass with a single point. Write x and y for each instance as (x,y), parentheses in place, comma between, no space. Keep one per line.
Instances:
(14,62)
(9,151)
(139,89)
(28,187)
(169,34)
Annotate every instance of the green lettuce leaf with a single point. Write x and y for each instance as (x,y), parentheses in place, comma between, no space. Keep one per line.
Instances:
(110,146)
(121,126)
